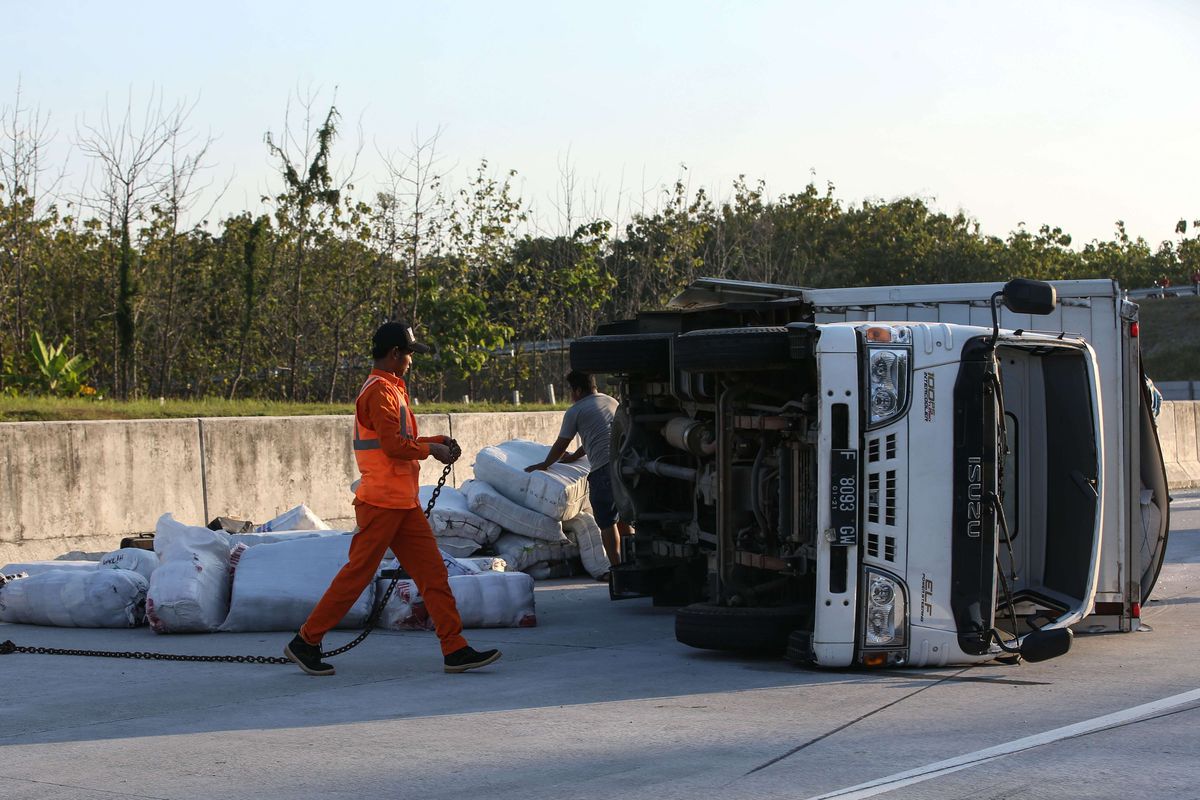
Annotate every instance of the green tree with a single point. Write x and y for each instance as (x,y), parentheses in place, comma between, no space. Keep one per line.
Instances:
(302,211)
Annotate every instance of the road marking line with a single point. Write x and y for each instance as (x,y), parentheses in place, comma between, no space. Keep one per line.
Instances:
(940,768)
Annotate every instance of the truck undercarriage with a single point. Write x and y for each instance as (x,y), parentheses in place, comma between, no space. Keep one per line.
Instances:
(714,455)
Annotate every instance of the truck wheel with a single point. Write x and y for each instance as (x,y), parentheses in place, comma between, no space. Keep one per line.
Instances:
(712,627)
(799,647)
(733,350)
(624,353)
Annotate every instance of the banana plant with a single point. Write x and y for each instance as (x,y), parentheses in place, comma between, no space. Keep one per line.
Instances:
(57,373)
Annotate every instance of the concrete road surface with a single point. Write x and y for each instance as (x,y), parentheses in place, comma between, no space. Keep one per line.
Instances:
(600,701)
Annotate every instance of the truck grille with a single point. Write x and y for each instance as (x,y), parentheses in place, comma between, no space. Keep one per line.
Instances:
(884,497)
(881,448)
(884,501)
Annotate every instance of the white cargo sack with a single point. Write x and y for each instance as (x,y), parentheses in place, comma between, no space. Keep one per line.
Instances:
(557,492)
(189,592)
(485,600)
(276,586)
(490,504)
(300,518)
(586,534)
(38,567)
(454,566)
(252,539)
(453,520)
(134,559)
(96,598)
(485,563)
(521,552)
(457,547)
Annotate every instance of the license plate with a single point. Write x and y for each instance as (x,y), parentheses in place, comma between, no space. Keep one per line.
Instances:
(843,496)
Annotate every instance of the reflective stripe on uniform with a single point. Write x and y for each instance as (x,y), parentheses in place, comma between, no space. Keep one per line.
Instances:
(365,444)
(387,482)
(359,442)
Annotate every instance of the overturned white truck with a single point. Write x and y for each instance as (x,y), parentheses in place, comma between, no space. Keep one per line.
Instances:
(922,475)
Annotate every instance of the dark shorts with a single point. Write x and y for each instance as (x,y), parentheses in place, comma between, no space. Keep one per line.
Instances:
(600,492)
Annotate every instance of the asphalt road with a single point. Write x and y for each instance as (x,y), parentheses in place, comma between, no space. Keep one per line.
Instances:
(600,701)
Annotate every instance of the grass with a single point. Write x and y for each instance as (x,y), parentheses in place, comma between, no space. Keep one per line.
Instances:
(49,409)
(1170,333)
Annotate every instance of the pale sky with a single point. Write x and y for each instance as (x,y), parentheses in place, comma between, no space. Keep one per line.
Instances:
(1075,114)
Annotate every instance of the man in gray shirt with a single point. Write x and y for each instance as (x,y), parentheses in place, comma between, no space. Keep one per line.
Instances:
(590,416)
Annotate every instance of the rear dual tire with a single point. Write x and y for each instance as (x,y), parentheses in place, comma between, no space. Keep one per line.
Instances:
(623,354)
(760,630)
(733,350)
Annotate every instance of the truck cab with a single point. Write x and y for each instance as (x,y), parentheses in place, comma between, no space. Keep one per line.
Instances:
(880,486)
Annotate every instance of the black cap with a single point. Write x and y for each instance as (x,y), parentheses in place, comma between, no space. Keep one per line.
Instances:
(396,334)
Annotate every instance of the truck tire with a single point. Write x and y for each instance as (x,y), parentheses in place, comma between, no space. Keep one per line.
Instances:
(761,630)
(799,648)
(733,350)
(623,354)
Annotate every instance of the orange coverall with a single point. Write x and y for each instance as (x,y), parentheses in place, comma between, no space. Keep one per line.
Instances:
(388,509)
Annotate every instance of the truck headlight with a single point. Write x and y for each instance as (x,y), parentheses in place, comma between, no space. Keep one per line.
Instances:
(885,613)
(888,371)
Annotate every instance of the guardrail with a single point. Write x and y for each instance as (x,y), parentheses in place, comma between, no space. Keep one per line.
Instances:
(1179,390)
(1186,290)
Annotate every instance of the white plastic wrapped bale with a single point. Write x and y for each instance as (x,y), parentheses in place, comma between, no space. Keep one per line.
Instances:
(586,534)
(459,530)
(495,600)
(300,518)
(454,566)
(38,567)
(457,547)
(189,591)
(134,559)
(484,600)
(405,610)
(95,598)
(521,552)
(557,492)
(485,563)
(490,504)
(252,539)
(276,586)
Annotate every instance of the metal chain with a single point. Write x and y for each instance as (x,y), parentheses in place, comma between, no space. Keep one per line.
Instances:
(381,604)
(7,647)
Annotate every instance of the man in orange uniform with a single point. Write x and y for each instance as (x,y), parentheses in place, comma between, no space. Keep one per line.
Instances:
(387,506)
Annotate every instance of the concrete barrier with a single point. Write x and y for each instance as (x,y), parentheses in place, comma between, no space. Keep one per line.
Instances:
(85,485)
(1183,465)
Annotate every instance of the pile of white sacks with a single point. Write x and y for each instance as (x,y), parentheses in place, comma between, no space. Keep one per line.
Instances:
(200,580)
(535,521)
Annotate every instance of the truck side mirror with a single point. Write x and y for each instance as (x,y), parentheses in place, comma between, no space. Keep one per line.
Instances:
(1046,644)
(1025,296)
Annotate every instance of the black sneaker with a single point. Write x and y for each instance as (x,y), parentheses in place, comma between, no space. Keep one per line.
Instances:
(307,656)
(466,658)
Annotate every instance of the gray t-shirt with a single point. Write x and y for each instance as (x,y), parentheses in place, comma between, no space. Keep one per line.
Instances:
(591,417)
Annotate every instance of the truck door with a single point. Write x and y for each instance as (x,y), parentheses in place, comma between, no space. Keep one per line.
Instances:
(1151,536)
